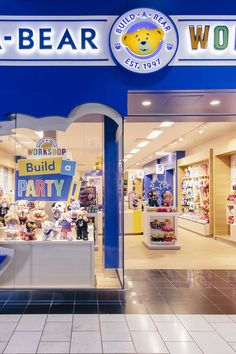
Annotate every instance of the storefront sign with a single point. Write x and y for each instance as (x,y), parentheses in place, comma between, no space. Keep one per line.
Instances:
(46,166)
(47,147)
(45,187)
(160,169)
(142,40)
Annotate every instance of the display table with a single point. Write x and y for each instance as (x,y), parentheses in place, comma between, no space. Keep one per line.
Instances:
(194,226)
(160,229)
(49,264)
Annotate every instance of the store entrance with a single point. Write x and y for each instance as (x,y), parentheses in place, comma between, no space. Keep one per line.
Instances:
(180,179)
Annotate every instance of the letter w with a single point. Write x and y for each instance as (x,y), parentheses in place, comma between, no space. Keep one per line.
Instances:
(199,37)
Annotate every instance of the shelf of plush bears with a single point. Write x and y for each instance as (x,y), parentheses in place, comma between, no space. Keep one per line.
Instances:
(28,221)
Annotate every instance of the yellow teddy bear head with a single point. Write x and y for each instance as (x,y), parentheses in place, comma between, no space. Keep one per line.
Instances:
(143,41)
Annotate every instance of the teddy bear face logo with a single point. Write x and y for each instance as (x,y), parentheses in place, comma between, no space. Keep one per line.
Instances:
(143,41)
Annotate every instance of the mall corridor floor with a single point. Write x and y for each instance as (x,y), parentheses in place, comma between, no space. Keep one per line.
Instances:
(161,311)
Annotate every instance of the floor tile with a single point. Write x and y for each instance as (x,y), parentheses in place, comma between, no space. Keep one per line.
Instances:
(164,318)
(233,345)
(86,342)
(217,318)
(2,346)
(211,343)
(129,308)
(115,332)
(31,323)
(60,309)
(23,342)
(112,309)
(195,323)
(13,309)
(54,347)
(232,317)
(226,330)
(148,342)
(60,318)
(92,309)
(86,323)
(9,318)
(57,331)
(173,331)
(37,309)
(112,318)
(118,347)
(140,323)
(183,348)
(6,330)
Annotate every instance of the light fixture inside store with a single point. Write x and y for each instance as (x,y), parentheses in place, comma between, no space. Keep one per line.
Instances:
(146,103)
(134,151)
(125,160)
(161,153)
(201,131)
(142,143)
(181,139)
(128,156)
(138,164)
(173,143)
(154,134)
(214,102)
(166,124)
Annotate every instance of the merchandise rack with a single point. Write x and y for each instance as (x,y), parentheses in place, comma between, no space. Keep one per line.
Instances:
(151,215)
(191,220)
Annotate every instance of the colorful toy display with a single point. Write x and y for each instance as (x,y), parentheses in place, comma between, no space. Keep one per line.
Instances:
(153,198)
(162,230)
(12,226)
(167,198)
(39,213)
(27,232)
(82,225)
(74,209)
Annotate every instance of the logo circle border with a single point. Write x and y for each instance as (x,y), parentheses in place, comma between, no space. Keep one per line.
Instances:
(136,72)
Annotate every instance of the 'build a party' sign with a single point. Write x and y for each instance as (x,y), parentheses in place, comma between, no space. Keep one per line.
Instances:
(47,178)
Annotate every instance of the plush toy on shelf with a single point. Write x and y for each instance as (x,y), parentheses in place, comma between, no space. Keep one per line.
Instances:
(74,209)
(167,198)
(12,226)
(49,230)
(153,198)
(82,225)
(232,197)
(167,226)
(4,208)
(58,209)
(39,213)
(22,211)
(65,222)
(28,232)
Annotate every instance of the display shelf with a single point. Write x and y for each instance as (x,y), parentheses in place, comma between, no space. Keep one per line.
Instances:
(194,226)
(161,226)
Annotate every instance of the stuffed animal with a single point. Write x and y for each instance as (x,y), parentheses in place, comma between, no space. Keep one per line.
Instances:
(22,211)
(167,198)
(12,226)
(74,209)
(65,222)
(39,214)
(153,197)
(28,231)
(49,230)
(4,208)
(58,209)
(82,225)
(167,226)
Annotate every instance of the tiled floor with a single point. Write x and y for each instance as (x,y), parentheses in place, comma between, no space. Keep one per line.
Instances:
(143,333)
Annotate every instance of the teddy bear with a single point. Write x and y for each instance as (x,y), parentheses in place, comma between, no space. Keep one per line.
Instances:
(22,211)
(167,227)
(167,198)
(49,230)
(27,232)
(58,208)
(82,225)
(39,214)
(143,41)
(12,226)
(4,208)
(65,222)
(74,209)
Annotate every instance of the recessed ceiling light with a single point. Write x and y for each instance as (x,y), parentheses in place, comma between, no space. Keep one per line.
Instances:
(201,131)
(134,151)
(181,139)
(161,153)
(214,102)
(142,143)
(166,124)
(138,164)
(154,134)
(146,103)
(173,143)
(128,156)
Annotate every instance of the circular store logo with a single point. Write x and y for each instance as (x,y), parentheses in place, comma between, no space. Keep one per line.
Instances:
(144,40)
